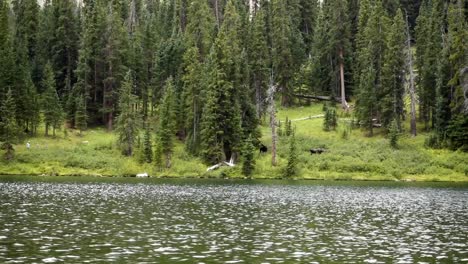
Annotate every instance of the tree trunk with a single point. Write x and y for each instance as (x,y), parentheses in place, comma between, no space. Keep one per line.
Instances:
(168,160)
(344,104)
(272,108)
(411,81)
(217,13)
(47,130)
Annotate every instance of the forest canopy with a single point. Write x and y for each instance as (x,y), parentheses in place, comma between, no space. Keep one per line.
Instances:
(200,69)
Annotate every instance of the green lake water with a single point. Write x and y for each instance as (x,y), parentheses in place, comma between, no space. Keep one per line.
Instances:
(130,220)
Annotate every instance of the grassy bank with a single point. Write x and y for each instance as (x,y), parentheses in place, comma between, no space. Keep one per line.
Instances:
(355,157)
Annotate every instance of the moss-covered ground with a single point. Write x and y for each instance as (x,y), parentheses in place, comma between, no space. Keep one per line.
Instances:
(351,157)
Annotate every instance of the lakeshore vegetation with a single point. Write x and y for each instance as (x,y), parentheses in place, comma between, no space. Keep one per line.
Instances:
(171,88)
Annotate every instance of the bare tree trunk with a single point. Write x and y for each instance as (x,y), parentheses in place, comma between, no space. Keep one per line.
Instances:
(344,104)
(272,110)
(411,81)
(217,12)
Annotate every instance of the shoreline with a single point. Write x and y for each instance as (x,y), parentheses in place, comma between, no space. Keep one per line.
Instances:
(420,179)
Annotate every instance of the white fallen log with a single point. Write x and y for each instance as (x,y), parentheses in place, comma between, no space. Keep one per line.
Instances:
(142,175)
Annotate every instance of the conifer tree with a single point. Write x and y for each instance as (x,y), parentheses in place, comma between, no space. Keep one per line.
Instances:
(158,155)
(200,28)
(259,62)
(128,121)
(8,125)
(193,80)
(282,57)
(114,50)
(167,125)
(291,167)
(366,102)
(248,163)
(64,46)
(51,105)
(392,105)
(220,122)
(7,71)
(429,39)
(148,145)
(393,133)
(81,116)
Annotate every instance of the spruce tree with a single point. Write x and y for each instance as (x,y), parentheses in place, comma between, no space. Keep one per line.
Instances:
(167,125)
(8,125)
(148,145)
(429,39)
(64,46)
(393,133)
(282,57)
(392,105)
(81,115)
(248,163)
(128,121)
(51,106)
(193,98)
(291,167)
(114,50)
(259,60)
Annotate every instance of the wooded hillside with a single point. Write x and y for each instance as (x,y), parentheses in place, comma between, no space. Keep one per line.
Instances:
(200,69)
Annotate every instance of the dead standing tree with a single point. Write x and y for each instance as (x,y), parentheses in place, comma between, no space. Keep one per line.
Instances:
(272,111)
(412,92)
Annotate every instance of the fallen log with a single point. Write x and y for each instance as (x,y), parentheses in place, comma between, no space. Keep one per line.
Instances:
(318,97)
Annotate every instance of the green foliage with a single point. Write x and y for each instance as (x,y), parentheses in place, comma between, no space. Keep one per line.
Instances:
(288,130)
(147,145)
(391,99)
(248,162)
(81,116)
(167,127)
(330,120)
(158,155)
(457,133)
(8,124)
(52,108)
(128,121)
(291,168)
(393,134)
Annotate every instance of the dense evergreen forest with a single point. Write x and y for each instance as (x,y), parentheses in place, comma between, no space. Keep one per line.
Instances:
(202,71)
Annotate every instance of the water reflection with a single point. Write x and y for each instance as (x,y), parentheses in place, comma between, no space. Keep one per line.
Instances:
(230,223)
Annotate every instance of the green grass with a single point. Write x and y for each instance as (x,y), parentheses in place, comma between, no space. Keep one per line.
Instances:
(354,158)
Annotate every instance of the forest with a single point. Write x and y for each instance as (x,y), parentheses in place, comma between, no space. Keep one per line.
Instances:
(208,73)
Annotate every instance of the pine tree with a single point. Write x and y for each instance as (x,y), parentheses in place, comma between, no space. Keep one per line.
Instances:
(158,155)
(53,113)
(167,125)
(282,57)
(64,46)
(291,167)
(7,60)
(148,145)
(366,104)
(200,28)
(128,121)
(81,116)
(429,39)
(193,98)
(115,49)
(8,125)
(248,164)
(393,133)
(216,124)
(392,105)
(259,62)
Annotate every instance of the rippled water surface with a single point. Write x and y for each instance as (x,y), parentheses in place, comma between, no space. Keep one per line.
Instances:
(65,220)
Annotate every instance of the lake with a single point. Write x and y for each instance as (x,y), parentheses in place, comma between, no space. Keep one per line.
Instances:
(129,220)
